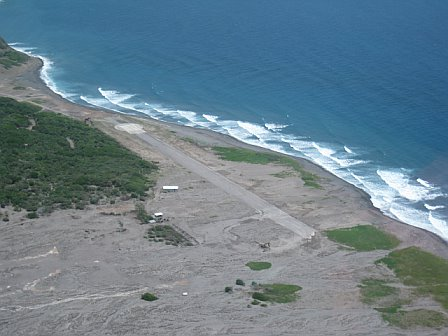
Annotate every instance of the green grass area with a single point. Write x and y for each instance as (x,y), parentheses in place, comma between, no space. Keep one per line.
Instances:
(10,57)
(374,290)
(168,235)
(149,297)
(40,172)
(424,270)
(250,156)
(415,318)
(279,293)
(258,265)
(141,213)
(363,238)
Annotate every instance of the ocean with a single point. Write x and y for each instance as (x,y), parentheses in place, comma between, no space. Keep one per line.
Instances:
(358,87)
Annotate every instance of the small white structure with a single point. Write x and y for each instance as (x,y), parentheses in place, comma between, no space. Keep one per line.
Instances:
(158,216)
(170,188)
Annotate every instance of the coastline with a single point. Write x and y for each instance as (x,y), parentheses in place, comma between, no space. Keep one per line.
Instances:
(30,77)
(84,271)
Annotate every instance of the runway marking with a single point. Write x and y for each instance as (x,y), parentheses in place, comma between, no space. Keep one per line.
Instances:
(130,128)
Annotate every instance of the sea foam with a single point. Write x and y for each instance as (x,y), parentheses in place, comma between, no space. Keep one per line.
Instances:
(403,185)
(46,70)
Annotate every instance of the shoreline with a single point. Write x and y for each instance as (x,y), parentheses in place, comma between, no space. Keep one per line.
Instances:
(31,76)
(84,271)
(48,85)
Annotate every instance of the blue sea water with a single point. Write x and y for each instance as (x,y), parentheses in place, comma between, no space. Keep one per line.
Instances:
(359,87)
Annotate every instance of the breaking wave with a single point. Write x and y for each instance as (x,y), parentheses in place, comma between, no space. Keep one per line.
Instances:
(394,191)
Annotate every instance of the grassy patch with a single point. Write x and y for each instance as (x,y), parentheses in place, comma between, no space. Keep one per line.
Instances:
(250,156)
(141,213)
(167,235)
(373,290)
(149,297)
(424,270)
(40,172)
(10,57)
(416,318)
(363,238)
(279,293)
(258,265)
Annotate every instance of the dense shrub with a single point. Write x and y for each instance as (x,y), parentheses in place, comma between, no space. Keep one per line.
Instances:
(38,168)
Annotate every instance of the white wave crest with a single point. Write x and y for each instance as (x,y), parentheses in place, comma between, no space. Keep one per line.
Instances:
(331,154)
(327,152)
(211,118)
(274,127)
(45,71)
(403,185)
(434,207)
(425,183)
(256,130)
(439,224)
(115,97)
(348,150)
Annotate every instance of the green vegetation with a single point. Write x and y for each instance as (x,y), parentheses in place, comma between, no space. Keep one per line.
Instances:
(424,270)
(424,274)
(363,238)
(373,290)
(250,156)
(39,171)
(228,289)
(415,318)
(142,215)
(167,234)
(279,293)
(10,57)
(258,265)
(149,297)
(240,282)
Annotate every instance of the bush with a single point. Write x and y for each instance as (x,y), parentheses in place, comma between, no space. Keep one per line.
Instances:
(240,282)
(228,289)
(260,296)
(32,215)
(258,265)
(142,215)
(149,297)
(37,170)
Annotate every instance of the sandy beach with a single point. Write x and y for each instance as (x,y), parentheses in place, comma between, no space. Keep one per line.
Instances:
(74,272)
